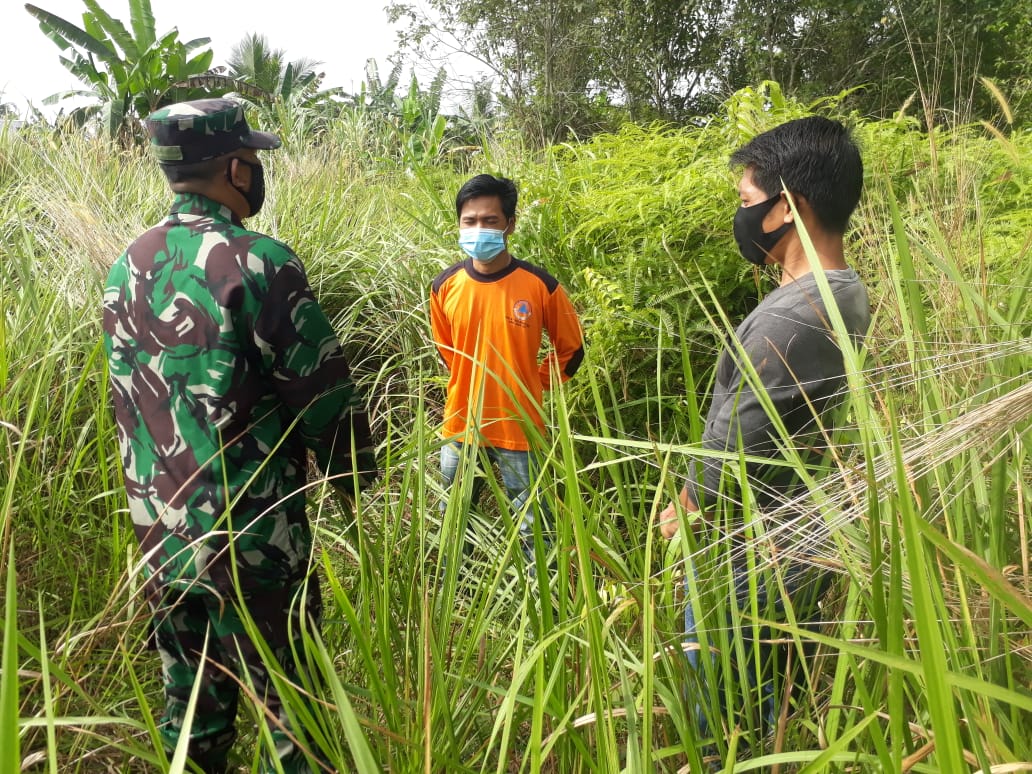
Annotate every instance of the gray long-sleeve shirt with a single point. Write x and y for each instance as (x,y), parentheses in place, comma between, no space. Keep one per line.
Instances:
(789,340)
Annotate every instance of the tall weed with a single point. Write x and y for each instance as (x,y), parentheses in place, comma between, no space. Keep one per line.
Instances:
(426,664)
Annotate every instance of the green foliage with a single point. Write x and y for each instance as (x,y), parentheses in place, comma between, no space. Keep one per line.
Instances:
(11,756)
(398,125)
(130,74)
(287,94)
(658,54)
(634,221)
(543,55)
(425,664)
(569,68)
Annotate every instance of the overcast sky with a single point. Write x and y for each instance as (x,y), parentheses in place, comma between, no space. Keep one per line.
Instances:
(341,35)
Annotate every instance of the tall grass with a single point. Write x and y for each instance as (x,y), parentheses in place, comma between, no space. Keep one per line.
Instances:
(431,665)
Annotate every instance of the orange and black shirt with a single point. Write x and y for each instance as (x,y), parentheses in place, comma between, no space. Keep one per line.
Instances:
(488,329)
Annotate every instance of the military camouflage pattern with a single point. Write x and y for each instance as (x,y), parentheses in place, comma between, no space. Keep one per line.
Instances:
(181,627)
(223,369)
(189,132)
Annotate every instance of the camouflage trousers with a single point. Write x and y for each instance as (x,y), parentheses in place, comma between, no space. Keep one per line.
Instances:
(181,623)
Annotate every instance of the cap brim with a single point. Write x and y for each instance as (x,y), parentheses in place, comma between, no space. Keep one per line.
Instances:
(261,141)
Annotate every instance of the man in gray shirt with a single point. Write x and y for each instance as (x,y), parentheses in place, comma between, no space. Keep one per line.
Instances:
(789,342)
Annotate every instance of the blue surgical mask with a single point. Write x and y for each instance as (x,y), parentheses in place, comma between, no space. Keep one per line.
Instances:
(482,244)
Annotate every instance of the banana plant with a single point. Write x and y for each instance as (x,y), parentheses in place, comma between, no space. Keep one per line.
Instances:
(129,72)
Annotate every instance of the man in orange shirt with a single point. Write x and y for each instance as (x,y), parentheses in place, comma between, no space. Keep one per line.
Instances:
(487,314)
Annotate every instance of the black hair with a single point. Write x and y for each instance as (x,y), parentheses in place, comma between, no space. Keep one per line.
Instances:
(817,158)
(200,171)
(489,185)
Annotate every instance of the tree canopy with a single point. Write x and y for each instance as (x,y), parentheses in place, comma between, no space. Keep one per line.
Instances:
(563,65)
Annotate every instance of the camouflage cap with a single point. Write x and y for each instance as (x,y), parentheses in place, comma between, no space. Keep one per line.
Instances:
(203,129)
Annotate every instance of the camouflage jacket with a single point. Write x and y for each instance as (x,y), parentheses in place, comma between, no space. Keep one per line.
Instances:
(223,369)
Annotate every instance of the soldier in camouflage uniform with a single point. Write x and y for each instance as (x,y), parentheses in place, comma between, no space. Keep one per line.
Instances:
(224,370)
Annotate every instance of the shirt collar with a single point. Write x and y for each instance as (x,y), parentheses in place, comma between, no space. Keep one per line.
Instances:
(197,205)
(471,270)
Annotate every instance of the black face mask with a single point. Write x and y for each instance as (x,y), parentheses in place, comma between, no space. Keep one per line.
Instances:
(255,195)
(753,242)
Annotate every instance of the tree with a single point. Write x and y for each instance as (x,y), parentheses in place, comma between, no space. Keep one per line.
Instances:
(130,74)
(896,50)
(286,94)
(543,54)
(659,55)
(255,62)
(566,66)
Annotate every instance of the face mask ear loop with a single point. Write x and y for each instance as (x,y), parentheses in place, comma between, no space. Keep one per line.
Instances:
(229,176)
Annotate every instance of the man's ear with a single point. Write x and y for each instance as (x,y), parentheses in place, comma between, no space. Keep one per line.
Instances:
(511,227)
(239,174)
(799,201)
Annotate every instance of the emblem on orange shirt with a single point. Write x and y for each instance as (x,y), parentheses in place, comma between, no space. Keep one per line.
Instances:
(521,311)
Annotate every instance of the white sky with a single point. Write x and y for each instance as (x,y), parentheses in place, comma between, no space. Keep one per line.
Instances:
(341,35)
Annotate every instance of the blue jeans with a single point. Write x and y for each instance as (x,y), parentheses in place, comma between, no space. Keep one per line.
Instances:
(518,468)
(804,586)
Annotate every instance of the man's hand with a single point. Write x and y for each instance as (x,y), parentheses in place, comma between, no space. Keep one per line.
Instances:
(668,522)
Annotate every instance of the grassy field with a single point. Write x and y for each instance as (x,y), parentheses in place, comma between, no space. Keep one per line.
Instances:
(925,658)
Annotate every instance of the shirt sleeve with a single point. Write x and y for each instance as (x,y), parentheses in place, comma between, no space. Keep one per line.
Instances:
(440,329)
(310,374)
(564,332)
